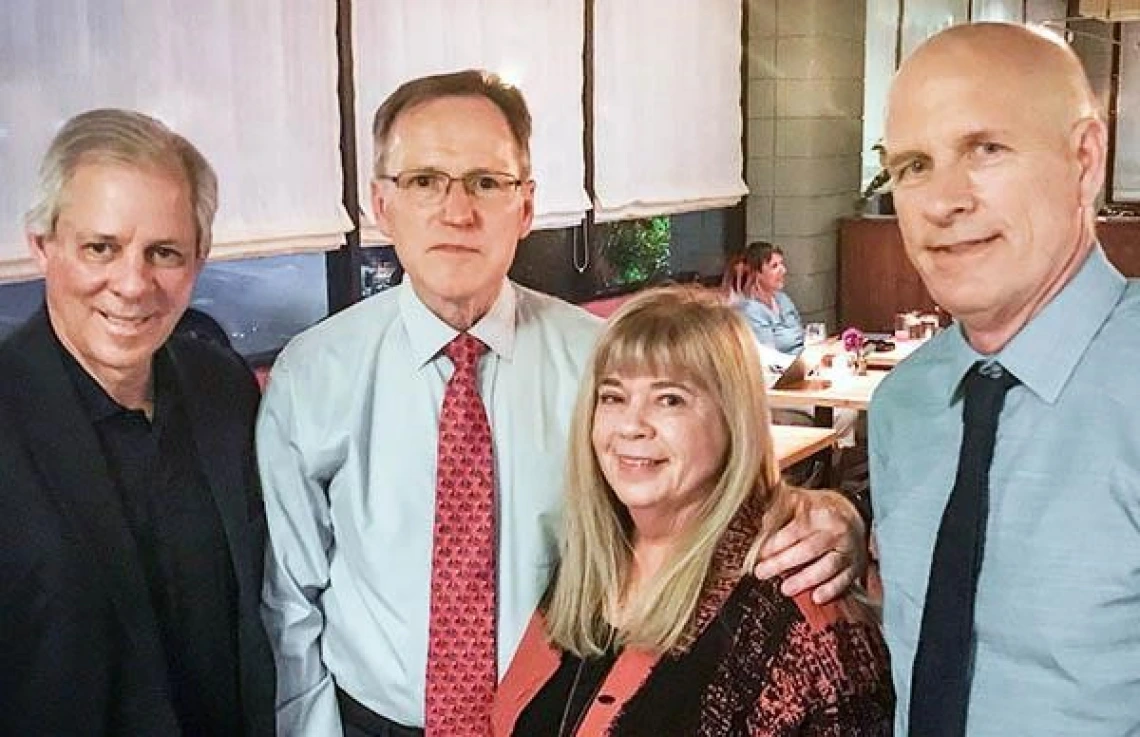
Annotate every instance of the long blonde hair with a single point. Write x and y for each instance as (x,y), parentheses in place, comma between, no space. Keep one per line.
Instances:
(678,332)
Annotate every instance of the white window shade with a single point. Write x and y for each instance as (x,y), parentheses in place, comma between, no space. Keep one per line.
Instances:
(1040,11)
(533,44)
(1126,166)
(252,84)
(1008,11)
(879,50)
(921,20)
(667,116)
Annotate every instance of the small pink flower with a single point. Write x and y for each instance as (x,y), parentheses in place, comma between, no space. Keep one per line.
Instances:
(852,339)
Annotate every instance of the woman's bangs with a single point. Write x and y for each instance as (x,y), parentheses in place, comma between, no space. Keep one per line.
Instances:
(656,345)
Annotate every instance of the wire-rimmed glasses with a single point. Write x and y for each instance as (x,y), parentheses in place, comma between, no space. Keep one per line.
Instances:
(430,186)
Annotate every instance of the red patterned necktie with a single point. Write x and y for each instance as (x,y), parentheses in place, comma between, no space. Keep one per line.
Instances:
(461,673)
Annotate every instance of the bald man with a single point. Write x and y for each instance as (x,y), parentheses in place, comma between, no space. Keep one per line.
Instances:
(1012,580)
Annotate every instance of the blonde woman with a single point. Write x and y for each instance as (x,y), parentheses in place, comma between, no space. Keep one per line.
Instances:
(652,625)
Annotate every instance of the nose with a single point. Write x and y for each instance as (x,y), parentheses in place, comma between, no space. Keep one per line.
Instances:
(632,421)
(458,204)
(949,193)
(132,276)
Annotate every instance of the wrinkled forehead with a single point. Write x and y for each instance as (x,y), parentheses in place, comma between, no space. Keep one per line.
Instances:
(467,127)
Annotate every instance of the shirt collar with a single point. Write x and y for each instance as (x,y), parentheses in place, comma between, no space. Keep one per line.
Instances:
(1044,353)
(96,402)
(428,334)
(98,405)
(954,356)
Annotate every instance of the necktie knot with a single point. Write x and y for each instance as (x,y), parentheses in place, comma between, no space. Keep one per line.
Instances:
(464,351)
(984,389)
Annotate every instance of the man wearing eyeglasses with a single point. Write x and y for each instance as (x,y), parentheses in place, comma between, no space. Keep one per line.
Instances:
(411,448)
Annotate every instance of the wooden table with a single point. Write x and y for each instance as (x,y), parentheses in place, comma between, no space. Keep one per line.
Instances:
(794,443)
(851,393)
(890,359)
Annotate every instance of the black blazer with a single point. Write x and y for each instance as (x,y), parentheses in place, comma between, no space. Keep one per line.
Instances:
(80,652)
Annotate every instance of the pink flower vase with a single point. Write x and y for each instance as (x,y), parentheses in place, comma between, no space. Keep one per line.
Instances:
(853,343)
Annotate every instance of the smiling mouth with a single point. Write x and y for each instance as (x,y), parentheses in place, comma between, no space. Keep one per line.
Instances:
(125,322)
(964,245)
(638,462)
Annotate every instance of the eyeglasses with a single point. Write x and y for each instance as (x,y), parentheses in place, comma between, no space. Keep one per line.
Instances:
(429,187)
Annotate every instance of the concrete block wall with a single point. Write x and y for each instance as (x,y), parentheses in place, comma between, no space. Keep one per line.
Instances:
(804,128)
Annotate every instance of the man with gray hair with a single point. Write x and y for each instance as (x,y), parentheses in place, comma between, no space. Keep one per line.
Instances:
(131,521)
(412,447)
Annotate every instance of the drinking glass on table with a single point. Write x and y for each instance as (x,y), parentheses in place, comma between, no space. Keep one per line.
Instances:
(815,333)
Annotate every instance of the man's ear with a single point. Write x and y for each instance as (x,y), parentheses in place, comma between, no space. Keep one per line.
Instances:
(37,245)
(379,208)
(527,221)
(1089,142)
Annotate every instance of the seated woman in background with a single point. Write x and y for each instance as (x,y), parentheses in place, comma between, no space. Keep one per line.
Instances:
(754,280)
(652,625)
(769,311)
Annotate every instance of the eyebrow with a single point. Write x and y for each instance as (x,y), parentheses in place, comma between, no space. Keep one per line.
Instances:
(659,384)
(967,140)
(438,170)
(894,159)
(87,235)
(669,384)
(982,134)
(84,236)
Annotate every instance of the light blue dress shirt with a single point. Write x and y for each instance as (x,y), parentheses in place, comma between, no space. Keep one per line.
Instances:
(781,328)
(1057,620)
(346,442)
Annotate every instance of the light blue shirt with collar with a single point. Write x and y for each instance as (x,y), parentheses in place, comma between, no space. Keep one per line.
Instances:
(346,444)
(1057,619)
(779,328)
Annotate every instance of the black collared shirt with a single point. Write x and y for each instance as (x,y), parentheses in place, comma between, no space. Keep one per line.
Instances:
(180,541)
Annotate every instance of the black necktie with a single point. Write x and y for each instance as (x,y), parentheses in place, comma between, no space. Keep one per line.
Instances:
(940,681)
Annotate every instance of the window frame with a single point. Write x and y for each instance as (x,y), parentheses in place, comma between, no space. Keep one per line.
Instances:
(1118,206)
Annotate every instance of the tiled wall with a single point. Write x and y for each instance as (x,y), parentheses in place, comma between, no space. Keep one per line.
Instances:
(804,117)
